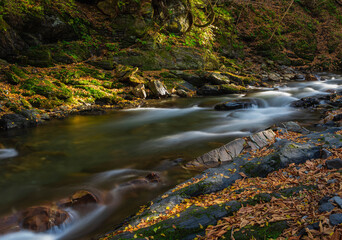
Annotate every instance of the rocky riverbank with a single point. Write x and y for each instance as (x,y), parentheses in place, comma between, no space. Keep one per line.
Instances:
(81,57)
(279,183)
(86,90)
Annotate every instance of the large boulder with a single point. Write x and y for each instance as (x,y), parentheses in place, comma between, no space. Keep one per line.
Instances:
(30,30)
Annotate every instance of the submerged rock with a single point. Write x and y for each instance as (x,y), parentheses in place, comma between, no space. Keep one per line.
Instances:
(234,104)
(41,219)
(310,77)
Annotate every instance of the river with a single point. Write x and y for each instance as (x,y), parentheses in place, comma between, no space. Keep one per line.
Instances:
(51,162)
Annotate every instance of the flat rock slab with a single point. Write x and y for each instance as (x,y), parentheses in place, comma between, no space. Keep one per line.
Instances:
(231,150)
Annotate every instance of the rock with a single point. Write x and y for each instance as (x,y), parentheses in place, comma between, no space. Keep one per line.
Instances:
(41,219)
(153,177)
(109,7)
(231,150)
(305,102)
(10,121)
(193,79)
(158,89)
(209,90)
(216,78)
(139,91)
(338,117)
(180,58)
(314,226)
(234,104)
(274,77)
(337,200)
(326,207)
(32,115)
(310,77)
(297,153)
(334,163)
(167,164)
(335,219)
(293,127)
(105,64)
(299,76)
(325,153)
(129,75)
(182,93)
(79,198)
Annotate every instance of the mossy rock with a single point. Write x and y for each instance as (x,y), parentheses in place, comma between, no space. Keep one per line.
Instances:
(270,231)
(18,71)
(232,88)
(46,88)
(45,103)
(39,57)
(62,57)
(68,76)
(78,51)
(105,64)
(95,73)
(12,78)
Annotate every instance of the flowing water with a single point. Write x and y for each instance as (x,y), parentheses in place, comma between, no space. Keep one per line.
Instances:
(100,153)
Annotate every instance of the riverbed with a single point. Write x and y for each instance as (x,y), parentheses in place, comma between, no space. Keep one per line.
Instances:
(100,153)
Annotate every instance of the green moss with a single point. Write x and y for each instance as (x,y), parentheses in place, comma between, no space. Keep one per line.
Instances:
(67,76)
(270,231)
(288,192)
(45,103)
(18,71)
(46,88)
(95,73)
(232,88)
(12,78)
(39,57)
